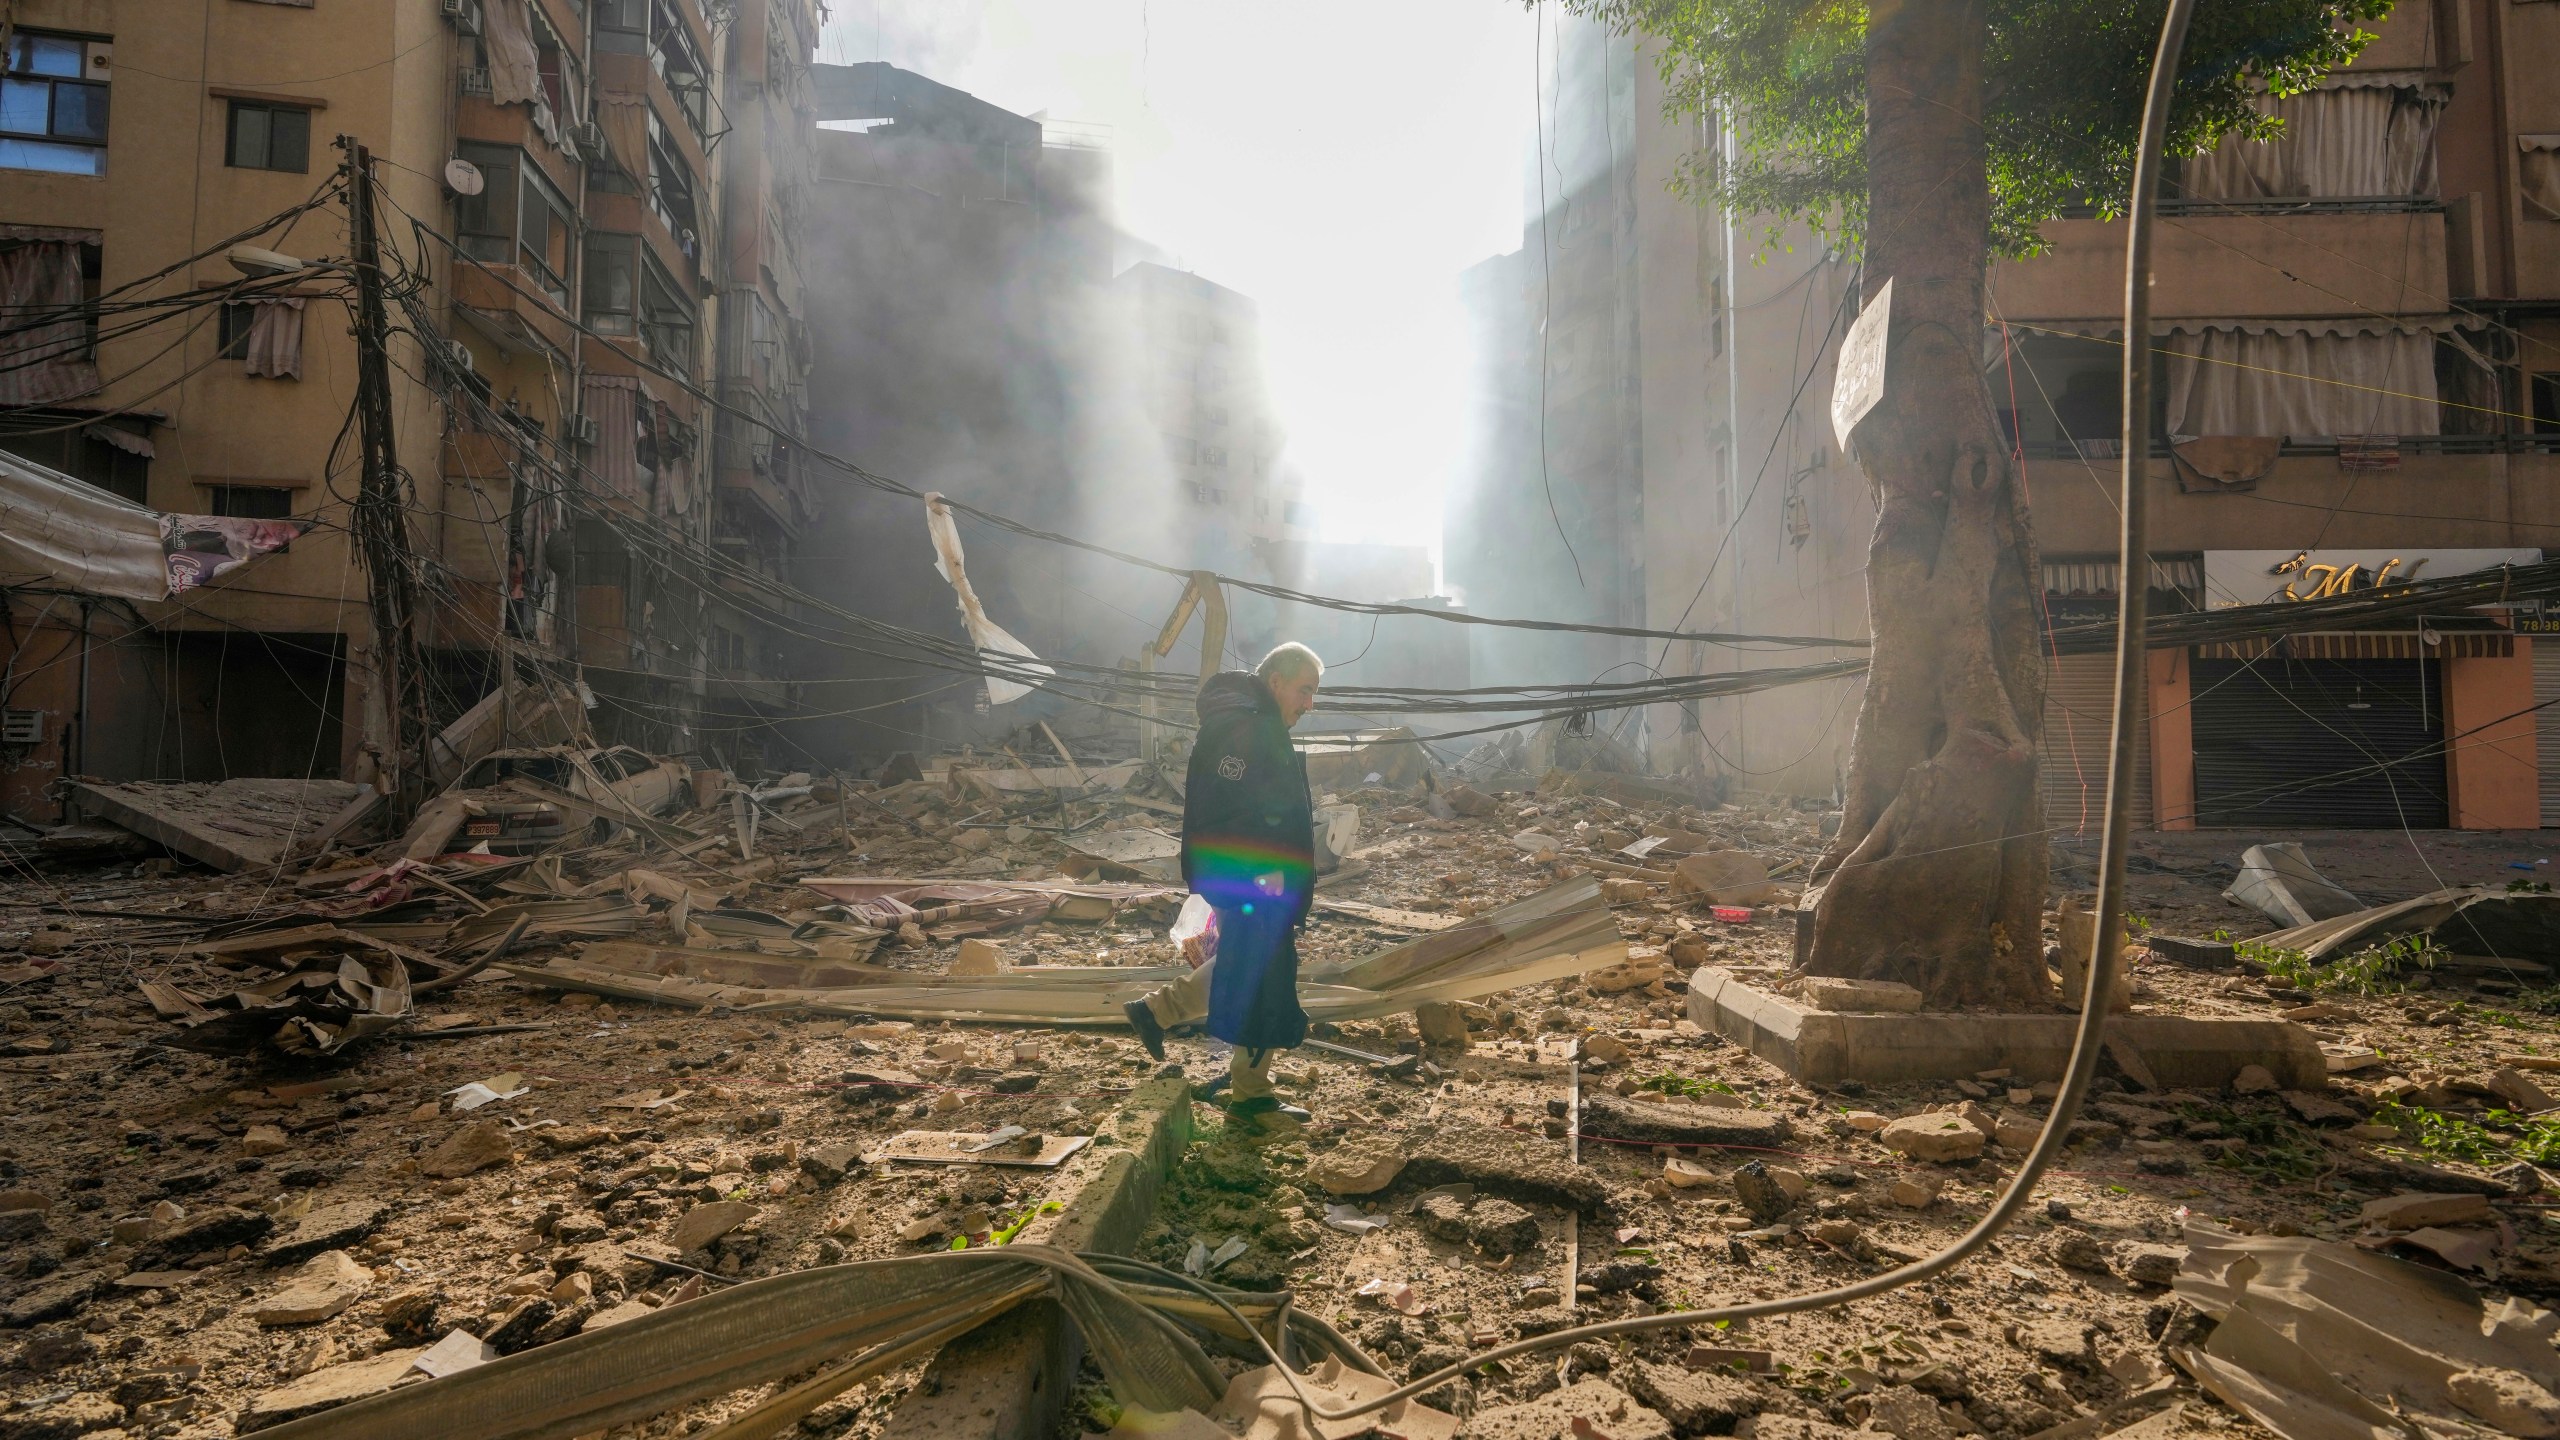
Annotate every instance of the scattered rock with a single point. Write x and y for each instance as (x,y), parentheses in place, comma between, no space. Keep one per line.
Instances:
(264,1140)
(1653,1124)
(53,1347)
(326,1227)
(1789,1427)
(1361,1165)
(1933,1138)
(217,1227)
(1687,1174)
(328,1388)
(2417,1212)
(1903,1412)
(1759,1193)
(520,1326)
(2507,1399)
(2075,1250)
(2521,1094)
(1695,1402)
(1861,996)
(329,1283)
(467,1151)
(978,957)
(72,1415)
(2316,1109)
(1915,1192)
(409,1317)
(2062,1343)
(1599,1405)
(51,1299)
(2150,1265)
(707,1222)
(1500,1162)
(832,1161)
(1441,1022)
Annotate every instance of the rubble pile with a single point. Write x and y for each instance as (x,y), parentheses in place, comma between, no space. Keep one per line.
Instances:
(299,1133)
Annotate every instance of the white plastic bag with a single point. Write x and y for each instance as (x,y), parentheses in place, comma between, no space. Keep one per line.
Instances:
(1195,931)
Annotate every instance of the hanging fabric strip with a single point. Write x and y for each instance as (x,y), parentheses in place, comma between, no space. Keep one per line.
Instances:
(984,633)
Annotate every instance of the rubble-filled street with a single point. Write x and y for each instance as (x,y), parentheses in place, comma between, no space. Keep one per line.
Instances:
(372,1190)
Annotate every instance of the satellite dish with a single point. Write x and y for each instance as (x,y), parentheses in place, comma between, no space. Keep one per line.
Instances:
(464,177)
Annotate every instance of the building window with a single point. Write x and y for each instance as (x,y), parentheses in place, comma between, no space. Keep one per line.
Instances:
(518,218)
(236,320)
(269,137)
(53,104)
(609,286)
(671,188)
(2546,403)
(678,61)
(58,439)
(666,317)
(249,502)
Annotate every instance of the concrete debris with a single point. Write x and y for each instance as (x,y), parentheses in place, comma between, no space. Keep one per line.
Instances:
(1933,1137)
(1859,996)
(2280,882)
(1358,1166)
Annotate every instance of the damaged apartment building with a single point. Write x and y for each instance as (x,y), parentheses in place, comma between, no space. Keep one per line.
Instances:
(590,217)
(2357,378)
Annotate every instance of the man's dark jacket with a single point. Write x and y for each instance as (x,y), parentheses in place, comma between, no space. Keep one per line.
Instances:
(1249,848)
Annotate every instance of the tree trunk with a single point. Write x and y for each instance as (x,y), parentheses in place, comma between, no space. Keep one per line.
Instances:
(1937,878)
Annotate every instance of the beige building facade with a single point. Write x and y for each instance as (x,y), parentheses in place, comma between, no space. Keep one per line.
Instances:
(586,211)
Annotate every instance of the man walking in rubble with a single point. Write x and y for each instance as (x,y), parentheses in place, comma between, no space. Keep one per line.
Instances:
(1249,849)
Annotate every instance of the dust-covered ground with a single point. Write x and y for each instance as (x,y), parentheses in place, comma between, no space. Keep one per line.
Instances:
(185,1234)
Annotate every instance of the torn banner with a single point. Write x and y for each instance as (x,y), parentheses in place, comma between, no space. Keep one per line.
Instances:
(987,635)
(58,531)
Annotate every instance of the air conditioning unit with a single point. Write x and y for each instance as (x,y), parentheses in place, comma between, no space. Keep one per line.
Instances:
(579,430)
(463,15)
(458,356)
(21,727)
(589,138)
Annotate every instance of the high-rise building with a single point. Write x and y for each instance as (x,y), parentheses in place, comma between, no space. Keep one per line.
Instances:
(587,211)
(1199,377)
(2356,378)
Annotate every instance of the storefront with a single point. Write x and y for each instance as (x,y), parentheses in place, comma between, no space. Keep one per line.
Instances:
(2427,724)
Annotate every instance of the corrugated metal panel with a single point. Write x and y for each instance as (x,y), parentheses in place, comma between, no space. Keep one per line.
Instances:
(2546,722)
(2079,698)
(2319,743)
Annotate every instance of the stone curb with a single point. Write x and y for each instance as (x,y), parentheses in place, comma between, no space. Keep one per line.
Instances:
(1821,1047)
(1008,1379)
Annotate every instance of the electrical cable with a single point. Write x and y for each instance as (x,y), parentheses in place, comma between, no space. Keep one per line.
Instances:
(2105,960)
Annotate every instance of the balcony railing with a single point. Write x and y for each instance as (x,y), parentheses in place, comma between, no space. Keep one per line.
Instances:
(475,81)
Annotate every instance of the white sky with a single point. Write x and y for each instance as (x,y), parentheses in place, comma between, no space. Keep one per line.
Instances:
(1338,162)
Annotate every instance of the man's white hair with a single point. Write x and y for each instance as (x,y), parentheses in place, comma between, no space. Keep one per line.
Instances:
(1290,659)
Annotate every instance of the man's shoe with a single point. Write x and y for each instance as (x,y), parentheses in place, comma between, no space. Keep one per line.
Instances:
(1265,1115)
(1143,1020)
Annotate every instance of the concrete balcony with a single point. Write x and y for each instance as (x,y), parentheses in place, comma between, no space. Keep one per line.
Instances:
(2457,491)
(2366,263)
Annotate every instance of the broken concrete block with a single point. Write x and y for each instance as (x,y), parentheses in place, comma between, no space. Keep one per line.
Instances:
(329,1388)
(1687,1174)
(1586,1407)
(326,1284)
(86,1413)
(264,1140)
(1759,1193)
(1642,967)
(2150,1265)
(2509,1400)
(1915,1192)
(2520,1092)
(2254,1080)
(978,957)
(1860,997)
(2076,1250)
(1441,1022)
(707,1222)
(2416,1212)
(1906,1414)
(1695,1402)
(1684,1124)
(1933,1137)
(1724,877)
(467,1151)
(326,1227)
(1361,1165)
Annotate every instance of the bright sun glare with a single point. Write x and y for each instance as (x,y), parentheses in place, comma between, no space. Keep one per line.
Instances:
(1339,163)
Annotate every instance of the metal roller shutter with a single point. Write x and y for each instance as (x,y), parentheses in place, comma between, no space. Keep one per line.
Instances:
(2546,721)
(2338,744)
(2079,701)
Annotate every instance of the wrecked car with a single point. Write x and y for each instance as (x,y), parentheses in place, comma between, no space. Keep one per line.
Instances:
(519,802)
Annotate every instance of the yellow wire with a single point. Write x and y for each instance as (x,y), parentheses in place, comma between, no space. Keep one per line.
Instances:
(2287,374)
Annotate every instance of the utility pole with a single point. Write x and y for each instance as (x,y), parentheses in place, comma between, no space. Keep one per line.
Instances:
(381,519)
